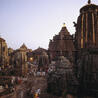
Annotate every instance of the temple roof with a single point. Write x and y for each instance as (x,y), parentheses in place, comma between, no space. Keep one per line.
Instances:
(23,46)
(64,31)
(39,50)
(10,48)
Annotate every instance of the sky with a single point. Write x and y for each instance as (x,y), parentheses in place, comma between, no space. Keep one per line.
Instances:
(35,22)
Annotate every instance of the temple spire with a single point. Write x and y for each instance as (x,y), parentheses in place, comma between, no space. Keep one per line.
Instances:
(89,1)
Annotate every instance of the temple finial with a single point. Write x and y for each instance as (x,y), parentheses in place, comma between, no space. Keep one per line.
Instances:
(63,24)
(89,1)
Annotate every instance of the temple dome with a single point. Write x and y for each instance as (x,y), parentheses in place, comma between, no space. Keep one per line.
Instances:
(2,40)
(89,6)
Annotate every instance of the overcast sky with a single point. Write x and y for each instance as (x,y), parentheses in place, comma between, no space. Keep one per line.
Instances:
(34,22)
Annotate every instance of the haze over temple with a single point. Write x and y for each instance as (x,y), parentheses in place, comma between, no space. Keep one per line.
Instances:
(67,69)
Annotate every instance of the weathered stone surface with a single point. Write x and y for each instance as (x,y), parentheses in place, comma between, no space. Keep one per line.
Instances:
(62,79)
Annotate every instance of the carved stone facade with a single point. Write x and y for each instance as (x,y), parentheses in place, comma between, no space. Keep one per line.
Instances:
(87,27)
(61,45)
(62,80)
(87,72)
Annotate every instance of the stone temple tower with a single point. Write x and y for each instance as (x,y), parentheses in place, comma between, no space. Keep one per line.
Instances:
(86,42)
(61,45)
(87,27)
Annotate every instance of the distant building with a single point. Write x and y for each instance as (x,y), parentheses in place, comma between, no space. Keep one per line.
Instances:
(19,60)
(10,52)
(43,60)
(39,57)
(34,55)
(4,61)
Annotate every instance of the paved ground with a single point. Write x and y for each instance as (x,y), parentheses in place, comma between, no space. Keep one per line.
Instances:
(32,82)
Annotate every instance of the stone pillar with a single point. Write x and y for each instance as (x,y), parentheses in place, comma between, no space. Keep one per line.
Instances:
(86,27)
(82,31)
(93,27)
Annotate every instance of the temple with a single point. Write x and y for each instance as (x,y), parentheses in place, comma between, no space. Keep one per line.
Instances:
(69,68)
(82,52)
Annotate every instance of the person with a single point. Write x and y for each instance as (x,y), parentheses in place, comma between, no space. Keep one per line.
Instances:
(38,91)
(21,94)
(36,95)
(28,92)
(6,86)
(32,93)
